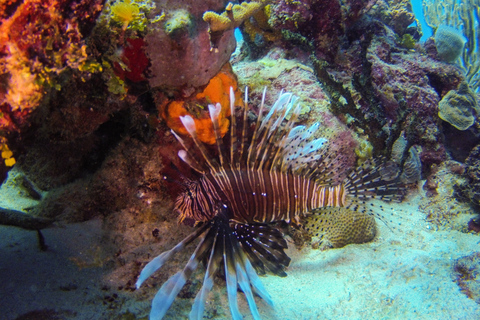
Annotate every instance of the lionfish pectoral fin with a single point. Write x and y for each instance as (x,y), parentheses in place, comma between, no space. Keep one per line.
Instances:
(160,260)
(239,271)
(264,246)
(227,252)
(244,281)
(213,265)
(231,276)
(170,289)
(378,180)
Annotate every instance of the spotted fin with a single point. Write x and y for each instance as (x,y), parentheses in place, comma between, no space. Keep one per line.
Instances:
(376,180)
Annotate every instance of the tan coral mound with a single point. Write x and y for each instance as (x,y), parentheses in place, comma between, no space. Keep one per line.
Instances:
(338,227)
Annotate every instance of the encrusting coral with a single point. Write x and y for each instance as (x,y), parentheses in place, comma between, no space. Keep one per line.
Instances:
(217,91)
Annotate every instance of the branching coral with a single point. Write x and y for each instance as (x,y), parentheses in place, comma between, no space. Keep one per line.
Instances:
(463,15)
(217,91)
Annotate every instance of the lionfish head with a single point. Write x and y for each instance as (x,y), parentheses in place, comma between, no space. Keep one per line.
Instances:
(190,204)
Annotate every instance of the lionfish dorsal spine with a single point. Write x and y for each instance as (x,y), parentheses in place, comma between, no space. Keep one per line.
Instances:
(233,128)
(253,143)
(214,111)
(189,125)
(243,137)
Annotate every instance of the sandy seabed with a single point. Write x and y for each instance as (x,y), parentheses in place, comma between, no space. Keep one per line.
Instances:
(405,273)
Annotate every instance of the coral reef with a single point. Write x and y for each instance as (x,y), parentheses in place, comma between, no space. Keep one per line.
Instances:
(459,107)
(40,40)
(86,108)
(396,14)
(322,22)
(442,209)
(387,90)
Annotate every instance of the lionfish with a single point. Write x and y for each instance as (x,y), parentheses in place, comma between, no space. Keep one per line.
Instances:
(278,173)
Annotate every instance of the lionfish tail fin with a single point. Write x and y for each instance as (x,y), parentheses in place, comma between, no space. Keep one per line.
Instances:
(377,179)
(219,246)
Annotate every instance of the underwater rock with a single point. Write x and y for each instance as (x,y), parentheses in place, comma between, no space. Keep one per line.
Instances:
(459,107)
(179,49)
(322,22)
(471,188)
(38,40)
(449,43)
(396,14)
(466,274)
(408,86)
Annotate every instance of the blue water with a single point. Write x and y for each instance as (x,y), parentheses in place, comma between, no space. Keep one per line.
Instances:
(418,11)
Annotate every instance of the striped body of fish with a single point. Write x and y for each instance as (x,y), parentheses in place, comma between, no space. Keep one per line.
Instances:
(277,173)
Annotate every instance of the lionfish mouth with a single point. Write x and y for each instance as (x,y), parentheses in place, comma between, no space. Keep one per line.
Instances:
(228,245)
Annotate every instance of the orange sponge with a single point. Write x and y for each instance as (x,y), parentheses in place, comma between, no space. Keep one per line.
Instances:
(217,91)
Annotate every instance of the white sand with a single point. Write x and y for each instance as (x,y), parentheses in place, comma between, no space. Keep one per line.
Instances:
(403,274)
